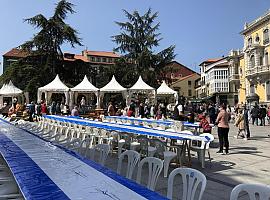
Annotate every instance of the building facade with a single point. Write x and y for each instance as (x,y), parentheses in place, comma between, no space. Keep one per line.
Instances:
(176,71)
(12,56)
(215,82)
(255,63)
(185,86)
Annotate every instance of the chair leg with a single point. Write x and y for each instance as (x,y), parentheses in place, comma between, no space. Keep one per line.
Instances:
(202,154)
(167,161)
(209,155)
(120,147)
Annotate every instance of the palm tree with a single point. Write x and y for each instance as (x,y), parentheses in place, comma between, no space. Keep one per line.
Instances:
(53,33)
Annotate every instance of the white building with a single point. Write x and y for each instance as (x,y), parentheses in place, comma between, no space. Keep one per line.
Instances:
(215,81)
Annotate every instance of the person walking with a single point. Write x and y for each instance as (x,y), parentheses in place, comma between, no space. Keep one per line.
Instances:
(223,129)
(240,123)
(246,120)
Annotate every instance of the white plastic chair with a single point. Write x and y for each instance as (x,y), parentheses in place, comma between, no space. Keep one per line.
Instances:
(202,148)
(103,150)
(191,178)
(133,158)
(253,190)
(162,152)
(155,166)
(86,144)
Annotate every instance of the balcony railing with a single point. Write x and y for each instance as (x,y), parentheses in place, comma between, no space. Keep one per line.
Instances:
(234,77)
(258,70)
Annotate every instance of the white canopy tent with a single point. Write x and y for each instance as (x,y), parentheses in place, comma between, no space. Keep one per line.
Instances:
(83,87)
(56,86)
(141,86)
(112,87)
(9,90)
(164,89)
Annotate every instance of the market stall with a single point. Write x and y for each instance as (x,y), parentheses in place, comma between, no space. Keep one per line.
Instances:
(56,86)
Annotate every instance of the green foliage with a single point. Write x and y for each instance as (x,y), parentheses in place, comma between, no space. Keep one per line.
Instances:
(46,58)
(137,40)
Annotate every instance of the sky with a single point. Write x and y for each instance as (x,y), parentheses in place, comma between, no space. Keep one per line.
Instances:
(200,29)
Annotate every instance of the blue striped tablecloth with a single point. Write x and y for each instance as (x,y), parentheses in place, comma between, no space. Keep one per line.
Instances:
(45,171)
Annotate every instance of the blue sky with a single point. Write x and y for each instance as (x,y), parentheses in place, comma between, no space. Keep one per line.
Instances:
(200,29)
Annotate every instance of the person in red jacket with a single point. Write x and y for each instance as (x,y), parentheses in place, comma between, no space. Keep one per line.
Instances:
(43,109)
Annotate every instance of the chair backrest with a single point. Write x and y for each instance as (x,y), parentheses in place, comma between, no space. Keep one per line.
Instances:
(144,143)
(211,138)
(86,144)
(160,146)
(75,144)
(103,150)
(253,190)
(191,179)
(133,158)
(155,166)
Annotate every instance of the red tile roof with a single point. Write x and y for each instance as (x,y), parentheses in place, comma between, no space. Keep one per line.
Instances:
(185,77)
(16,53)
(77,57)
(102,54)
(211,60)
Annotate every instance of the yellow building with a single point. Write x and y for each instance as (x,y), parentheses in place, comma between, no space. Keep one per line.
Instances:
(254,61)
(185,86)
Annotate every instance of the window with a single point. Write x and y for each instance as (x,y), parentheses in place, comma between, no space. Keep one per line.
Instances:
(257,39)
(266,36)
(98,59)
(252,89)
(93,59)
(266,59)
(189,83)
(110,60)
(249,42)
(252,61)
(104,59)
(189,93)
(261,60)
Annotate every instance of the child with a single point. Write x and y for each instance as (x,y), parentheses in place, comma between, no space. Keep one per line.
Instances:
(240,122)
(204,124)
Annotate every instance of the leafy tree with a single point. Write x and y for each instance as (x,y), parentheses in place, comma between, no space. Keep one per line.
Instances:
(137,40)
(53,33)
(45,56)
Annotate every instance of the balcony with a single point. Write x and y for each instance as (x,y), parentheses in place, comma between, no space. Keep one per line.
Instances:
(234,78)
(258,71)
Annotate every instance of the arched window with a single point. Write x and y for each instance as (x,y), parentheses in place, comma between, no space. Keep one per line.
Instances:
(266,59)
(252,61)
(266,36)
(249,42)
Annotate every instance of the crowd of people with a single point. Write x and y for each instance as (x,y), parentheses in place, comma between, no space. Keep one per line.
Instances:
(208,115)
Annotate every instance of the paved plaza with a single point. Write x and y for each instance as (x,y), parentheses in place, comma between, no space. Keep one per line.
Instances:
(248,162)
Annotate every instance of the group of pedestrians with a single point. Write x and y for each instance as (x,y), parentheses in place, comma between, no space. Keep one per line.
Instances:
(259,113)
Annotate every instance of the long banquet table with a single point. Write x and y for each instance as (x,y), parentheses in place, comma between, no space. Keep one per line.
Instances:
(164,122)
(182,135)
(46,171)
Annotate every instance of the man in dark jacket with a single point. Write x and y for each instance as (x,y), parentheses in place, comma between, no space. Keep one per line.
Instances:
(262,115)
(255,111)
(212,114)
